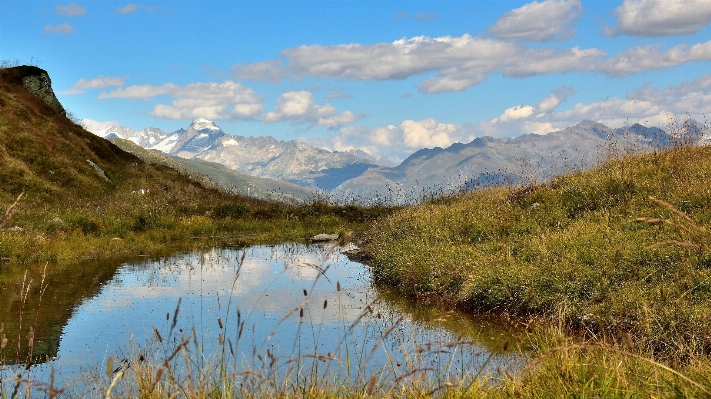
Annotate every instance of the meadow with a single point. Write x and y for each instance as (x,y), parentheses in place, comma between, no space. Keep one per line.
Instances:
(613,261)
(606,271)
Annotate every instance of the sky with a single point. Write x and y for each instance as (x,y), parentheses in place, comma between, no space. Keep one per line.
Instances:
(386,77)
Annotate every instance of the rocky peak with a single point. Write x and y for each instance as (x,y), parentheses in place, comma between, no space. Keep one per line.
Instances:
(36,81)
(202,124)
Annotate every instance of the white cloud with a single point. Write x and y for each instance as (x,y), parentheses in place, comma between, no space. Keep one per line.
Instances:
(645,105)
(401,59)
(551,101)
(546,61)
(227,100)
(462,62)
(97,127)
(517,112)
(650,57)
(398,142)
(545,106)
(652,18)
(266,71)
(539,22)
(427,133)
(71,9)
(61,29)
(299,106)
(101,82)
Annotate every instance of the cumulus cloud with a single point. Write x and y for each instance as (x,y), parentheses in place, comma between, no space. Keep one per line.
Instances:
(101,82)
(545,106)
(227,100)
(551,101)
(98,127)
(266,71)
(647,105)
(299,106)
(643,58)
(515,113)
(400,141)
(539,22)
(459,63)
(547,61)
(71,9)
(652,18)
(61,29)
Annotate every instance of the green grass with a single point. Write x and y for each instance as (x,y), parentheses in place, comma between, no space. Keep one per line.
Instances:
(70,212)
(593,252)
(633,318)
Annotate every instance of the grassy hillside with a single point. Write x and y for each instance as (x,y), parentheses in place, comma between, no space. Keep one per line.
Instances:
(85,197)
(619,256)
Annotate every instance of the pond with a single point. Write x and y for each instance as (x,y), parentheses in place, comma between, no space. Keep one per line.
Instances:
(287,312)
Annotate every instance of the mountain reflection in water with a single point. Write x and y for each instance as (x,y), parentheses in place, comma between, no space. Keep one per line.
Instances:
(290,299)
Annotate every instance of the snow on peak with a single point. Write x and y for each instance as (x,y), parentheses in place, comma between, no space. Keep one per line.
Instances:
(202,123)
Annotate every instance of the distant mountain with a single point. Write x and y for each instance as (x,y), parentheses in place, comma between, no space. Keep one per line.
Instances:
(355,176)
(525,159)
(291,161)
(219,176)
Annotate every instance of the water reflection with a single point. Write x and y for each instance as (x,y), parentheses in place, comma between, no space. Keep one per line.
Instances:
(281,302)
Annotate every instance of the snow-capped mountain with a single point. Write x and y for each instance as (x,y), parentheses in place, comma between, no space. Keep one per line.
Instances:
(355,175)
(152,138)
(293,161)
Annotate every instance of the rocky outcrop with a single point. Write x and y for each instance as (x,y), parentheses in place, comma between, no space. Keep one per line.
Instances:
(37,81)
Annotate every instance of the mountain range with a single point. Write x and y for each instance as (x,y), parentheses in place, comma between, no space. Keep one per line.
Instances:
(291,161)
(355,176)
(219,176)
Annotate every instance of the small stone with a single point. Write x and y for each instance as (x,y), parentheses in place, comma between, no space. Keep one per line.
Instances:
(324,237)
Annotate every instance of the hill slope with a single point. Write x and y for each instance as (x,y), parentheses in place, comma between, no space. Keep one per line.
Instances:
(578,252)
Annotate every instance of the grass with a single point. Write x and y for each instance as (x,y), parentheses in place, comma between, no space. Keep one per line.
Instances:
(617,257)
(178,362)
(69,211)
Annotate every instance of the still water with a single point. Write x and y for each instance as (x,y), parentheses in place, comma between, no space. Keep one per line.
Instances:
(290,308)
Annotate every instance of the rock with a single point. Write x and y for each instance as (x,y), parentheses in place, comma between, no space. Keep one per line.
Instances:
(98,170)
(37,81)
(324,238)
(56,220)
(16,229)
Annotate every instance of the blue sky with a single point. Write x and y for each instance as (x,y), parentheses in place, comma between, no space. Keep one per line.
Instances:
(386,77)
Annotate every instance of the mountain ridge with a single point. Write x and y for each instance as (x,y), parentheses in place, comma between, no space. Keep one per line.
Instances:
(262,156)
